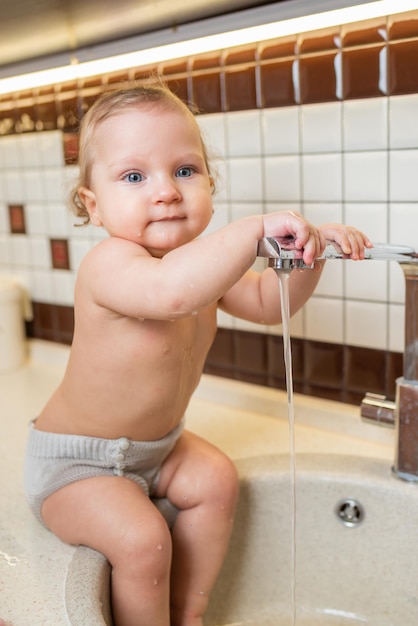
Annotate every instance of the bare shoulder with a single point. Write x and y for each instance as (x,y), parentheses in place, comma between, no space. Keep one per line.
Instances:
(107,273)
(112,252)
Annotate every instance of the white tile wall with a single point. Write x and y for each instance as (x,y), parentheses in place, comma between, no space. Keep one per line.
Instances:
(365,176)
(366,324)
(282,178)
(353,161)
(280,128)
(365,124)
(403,127)
(321,127)
(322,177)
(246,143)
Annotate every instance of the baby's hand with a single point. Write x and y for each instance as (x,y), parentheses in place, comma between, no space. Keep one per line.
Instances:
(305,237)
(351,241)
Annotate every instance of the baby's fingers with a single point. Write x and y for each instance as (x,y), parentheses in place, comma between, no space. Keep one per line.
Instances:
(313,246)
(351,240)
(355,243)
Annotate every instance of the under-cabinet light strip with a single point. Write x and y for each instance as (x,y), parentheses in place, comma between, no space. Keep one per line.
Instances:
(153,55)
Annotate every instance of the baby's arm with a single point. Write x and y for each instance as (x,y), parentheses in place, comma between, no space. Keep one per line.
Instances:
(125,278)
(256,297)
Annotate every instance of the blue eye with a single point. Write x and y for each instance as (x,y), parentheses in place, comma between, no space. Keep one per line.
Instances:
(134,177)
(185,172)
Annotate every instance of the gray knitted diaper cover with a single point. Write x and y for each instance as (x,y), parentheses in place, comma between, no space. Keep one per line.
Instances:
(55,460)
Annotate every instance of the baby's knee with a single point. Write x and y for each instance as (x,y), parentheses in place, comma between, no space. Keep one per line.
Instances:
(145,548)
(223,483)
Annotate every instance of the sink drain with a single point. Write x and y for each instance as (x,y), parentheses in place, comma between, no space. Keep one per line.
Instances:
(350,512)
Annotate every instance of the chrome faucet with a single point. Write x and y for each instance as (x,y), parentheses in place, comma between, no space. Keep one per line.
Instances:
(402,414)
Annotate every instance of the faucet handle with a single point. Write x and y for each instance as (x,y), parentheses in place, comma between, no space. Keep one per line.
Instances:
(377,409)
(281,253)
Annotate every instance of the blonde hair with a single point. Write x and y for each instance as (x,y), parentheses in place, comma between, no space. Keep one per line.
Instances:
(112,103)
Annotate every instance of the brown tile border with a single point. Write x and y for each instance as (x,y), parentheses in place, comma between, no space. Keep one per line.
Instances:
(325,370)
(52,322)
(362,60)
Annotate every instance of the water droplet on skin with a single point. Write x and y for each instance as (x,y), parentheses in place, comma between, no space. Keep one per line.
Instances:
(159,547)
(155,582)
(184,497)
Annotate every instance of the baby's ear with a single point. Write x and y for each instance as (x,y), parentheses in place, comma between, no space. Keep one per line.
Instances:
(212,184)
(88,198)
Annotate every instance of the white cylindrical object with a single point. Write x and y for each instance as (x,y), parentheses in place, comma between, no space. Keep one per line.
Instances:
(12,330)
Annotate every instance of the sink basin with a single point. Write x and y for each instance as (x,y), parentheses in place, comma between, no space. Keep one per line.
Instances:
(359,573)
(356,532)
(356,524)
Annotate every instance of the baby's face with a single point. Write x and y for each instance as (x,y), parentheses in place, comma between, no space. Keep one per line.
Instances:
(149,180)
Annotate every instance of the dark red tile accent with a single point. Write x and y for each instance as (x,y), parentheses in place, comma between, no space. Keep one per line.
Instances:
(361,73)
(70,148)
(59,254)
(207,92)
(317,78)
(319,41)
(240,88)
(363,33)
(17,219)
(403,75)
(277,88)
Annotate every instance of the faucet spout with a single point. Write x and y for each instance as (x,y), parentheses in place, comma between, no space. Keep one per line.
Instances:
(282,253)
(403,413)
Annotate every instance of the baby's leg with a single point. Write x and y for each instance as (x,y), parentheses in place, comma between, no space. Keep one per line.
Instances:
(113,516)
(202,482)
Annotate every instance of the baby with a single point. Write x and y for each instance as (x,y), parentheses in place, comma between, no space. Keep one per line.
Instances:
(111,440)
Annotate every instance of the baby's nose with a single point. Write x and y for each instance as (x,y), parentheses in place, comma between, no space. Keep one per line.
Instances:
(166,191)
